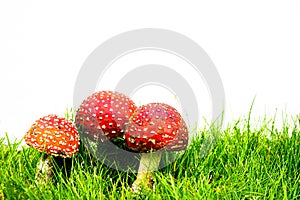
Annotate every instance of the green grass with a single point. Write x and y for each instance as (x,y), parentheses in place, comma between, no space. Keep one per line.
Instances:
(247,162)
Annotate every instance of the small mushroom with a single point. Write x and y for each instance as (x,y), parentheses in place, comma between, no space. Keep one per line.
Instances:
(103,116)
(154,127)
(55,136)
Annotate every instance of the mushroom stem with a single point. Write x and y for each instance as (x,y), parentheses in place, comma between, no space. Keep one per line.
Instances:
(44,169)
(149,162)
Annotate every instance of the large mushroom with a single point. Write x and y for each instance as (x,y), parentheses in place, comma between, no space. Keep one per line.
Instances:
(153,128)
(54,136)
(103,117)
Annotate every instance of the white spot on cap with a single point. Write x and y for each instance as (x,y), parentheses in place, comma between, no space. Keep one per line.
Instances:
(131,140)
(152,140)
(145,136)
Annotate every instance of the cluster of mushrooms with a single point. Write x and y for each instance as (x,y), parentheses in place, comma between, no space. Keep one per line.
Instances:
(108,115)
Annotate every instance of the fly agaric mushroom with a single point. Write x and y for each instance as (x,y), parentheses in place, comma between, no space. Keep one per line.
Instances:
(154,127)
(104,115)
(55,136)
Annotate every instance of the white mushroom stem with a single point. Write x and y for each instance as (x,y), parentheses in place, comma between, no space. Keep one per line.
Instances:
(149,162)
(44,169)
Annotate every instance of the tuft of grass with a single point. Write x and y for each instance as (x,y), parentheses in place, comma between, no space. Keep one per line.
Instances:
(246,162)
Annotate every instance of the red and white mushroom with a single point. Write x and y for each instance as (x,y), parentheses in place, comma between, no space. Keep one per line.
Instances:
(153,127)
(55,136)
(104,115)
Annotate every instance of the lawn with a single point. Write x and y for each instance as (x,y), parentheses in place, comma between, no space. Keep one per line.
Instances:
(247,161)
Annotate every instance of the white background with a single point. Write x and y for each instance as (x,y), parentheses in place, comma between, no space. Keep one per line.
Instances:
(255,46)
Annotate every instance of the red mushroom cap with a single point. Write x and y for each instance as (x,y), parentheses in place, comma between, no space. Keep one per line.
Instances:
(104,113)
(53,135)
(156,126)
